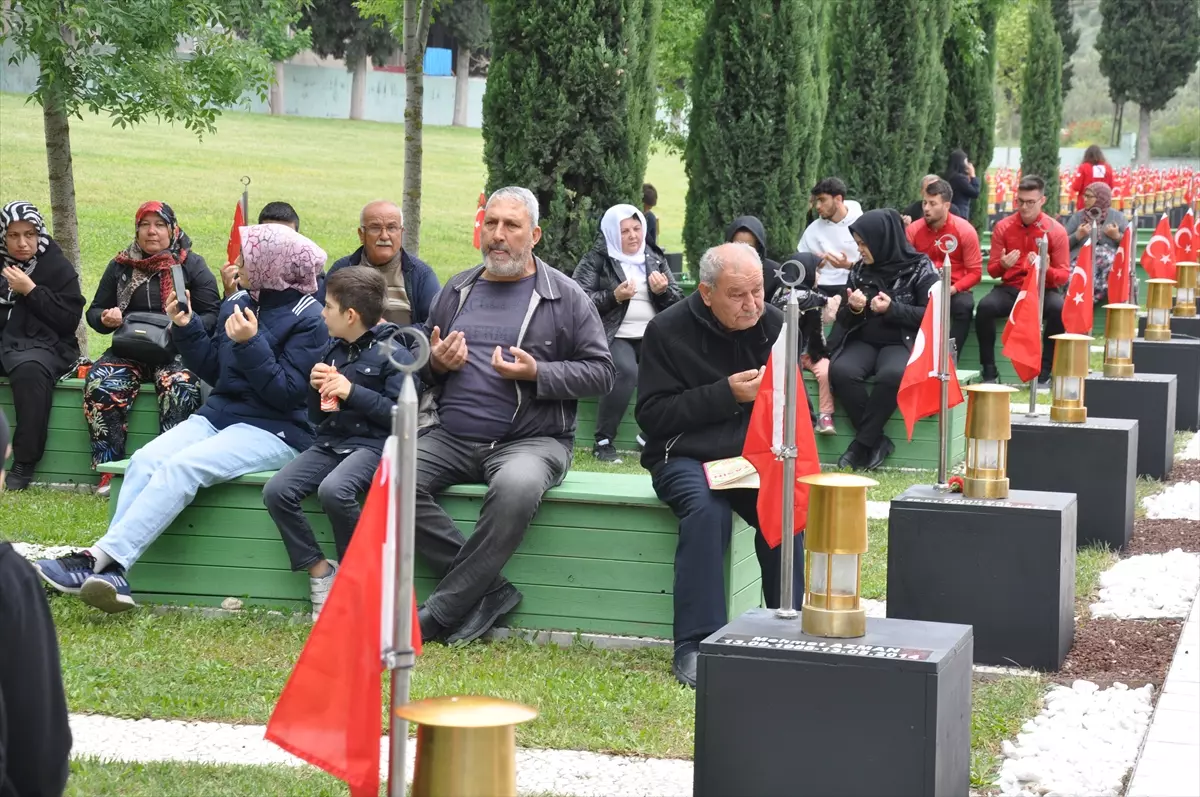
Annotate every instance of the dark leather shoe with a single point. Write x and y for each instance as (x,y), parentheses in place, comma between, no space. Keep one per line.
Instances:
(991,375)
(19,477)
(853,458)
(431,629)
(684,665)
(882,450)
(491,607)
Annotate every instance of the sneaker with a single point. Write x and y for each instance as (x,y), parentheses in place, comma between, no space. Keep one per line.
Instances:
(105,485)
(641,443)
(67,573)
(318,590)
(604,451)
(825,424)
(19,477)
(108,591)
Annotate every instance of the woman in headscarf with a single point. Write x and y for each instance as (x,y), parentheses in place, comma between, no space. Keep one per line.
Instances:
(960,173)
(138,280)
(629,283)
(1110,226)
(40,307)
(258,358)
(875,329)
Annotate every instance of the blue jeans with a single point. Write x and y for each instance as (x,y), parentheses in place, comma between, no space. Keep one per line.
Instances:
(705,530)
(164,475)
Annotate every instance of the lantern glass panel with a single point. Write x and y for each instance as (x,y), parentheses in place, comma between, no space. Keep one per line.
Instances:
(1068,388)
(1184,296)
(845,574)
(1119,349)
(817,571)
(1159,317)
(983,454)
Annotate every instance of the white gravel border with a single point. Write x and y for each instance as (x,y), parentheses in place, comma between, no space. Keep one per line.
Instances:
(1192,449)
(1178,501)
(1149,586)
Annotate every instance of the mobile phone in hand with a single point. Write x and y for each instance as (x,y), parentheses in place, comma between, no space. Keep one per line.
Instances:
(180,288)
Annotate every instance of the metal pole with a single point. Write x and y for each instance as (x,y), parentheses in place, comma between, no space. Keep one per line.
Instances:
(1129,255)
(1042,265)
(1096,221)
(400,658)
(787,597)
(947,244)
(246,198)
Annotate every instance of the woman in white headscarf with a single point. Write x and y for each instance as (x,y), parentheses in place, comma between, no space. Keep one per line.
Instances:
(629,283)
(40,307)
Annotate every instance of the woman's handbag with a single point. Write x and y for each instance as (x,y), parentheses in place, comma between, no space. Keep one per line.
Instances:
(145,338)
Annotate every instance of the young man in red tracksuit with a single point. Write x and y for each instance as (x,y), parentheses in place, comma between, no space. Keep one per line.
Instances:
(966,261)
(1014,251)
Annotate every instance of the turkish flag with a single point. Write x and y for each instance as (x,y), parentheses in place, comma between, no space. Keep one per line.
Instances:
(479,219)
(764,441)
(329,713)
(1078,306)
(1159,257)
(234,247)
(1119,278)
(921,388)
(1185,239)
(1022,336)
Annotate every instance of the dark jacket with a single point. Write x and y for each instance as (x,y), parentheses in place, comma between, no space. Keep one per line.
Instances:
(264,381)
(364,419)
(206,299)
(965,189)
(420,282)
(562,331)
(41,326)
(685,406)
(909,291)
(599,275)
(35,737)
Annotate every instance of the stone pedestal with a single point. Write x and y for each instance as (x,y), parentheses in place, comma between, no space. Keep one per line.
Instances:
(1183,327)
(780,713)
(1182,358)
(1005,567)
(1096,460)
(1148,399)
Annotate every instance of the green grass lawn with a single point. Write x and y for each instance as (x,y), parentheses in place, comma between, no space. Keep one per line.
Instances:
(326,168)
(94,778)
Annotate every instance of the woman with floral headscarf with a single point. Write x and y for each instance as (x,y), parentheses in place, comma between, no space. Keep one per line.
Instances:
(1110,226)
(138,280)
(40,307)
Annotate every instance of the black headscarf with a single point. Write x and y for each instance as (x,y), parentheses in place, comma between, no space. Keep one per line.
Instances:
(957,163)
(882,230)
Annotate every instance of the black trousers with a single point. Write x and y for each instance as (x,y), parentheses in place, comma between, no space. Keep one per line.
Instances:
(626,354)
(338,480)
(33,395)
(997,305)
(868,411)
(962,306)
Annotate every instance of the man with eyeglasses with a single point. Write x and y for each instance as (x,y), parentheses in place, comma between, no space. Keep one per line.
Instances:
(411,283)
(1013,252)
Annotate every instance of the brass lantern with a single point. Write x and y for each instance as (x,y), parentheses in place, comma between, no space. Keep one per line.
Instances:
(1071,355)
(466,746)
(1158,309)
(989,428)
(1185,293)
(835,540)
(1120,328)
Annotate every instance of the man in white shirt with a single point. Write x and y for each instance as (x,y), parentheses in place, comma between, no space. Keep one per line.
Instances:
(828,237)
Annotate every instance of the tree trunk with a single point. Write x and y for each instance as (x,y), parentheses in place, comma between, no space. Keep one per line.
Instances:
(63,220)
(416,35)
(276,98)
(1143,142)
(358,90)
(462,84)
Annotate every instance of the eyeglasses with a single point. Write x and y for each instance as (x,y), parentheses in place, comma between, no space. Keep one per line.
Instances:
(1028,203)
(376,230)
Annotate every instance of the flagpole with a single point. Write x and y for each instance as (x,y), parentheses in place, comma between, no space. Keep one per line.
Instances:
(1042,265)
(947,243)
(1093,237)
(246,198)
(791,315)
(400,658)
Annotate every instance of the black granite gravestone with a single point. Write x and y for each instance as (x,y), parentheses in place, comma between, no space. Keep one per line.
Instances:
(1182,358)
(1148,399)
(780,713)
(1005,567)
(1180,327)
(1096,460)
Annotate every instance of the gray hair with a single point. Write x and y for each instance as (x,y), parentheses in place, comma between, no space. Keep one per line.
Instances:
(713,262)
(520,194)
(362,214)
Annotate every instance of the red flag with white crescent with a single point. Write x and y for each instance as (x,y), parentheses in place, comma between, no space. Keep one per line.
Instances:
(1022,336)
(1119,276)
(1185,239)
(1077,314)
(1159,257)
(479,220)
(921,387)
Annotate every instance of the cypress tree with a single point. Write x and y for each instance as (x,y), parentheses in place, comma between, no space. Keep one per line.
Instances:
(569,110)
(969,123)
(1064,23)
(758,102)
(1041,101)
(887,96)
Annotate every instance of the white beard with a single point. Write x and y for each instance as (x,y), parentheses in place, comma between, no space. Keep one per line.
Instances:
(513,268)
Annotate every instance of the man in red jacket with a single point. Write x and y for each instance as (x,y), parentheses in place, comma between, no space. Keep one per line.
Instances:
(966,261)
(1013,253)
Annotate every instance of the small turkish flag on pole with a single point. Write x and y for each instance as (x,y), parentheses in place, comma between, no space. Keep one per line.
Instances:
(921,387)
(1022,336)
(479,219)
(1185,239)
(1119,277)
(234,247)
(1159,257)
(1077,314)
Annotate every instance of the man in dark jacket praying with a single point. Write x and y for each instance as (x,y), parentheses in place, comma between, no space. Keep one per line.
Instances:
(703,360)
(514,344)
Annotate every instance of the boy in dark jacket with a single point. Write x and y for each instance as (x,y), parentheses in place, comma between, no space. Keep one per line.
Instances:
(354,389)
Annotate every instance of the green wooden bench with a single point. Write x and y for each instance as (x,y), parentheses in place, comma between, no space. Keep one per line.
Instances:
(598,557)
(68,458)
